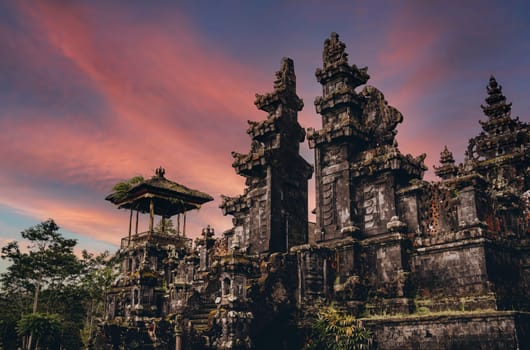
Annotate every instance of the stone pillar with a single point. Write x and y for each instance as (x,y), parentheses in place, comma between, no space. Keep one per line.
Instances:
(178,332)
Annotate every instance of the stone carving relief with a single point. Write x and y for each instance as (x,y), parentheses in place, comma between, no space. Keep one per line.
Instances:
(331,156)
(258,218)
(439,212)
(370,206)
(379,119)
(329,212)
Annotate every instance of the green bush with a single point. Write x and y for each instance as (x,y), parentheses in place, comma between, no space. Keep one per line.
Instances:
(336,330)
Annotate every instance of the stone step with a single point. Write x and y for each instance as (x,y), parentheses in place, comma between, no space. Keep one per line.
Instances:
(199,319)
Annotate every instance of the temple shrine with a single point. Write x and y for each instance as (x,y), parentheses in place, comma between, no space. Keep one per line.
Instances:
(422,265)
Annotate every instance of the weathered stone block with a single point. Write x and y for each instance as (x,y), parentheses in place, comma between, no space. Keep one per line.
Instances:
(495,330)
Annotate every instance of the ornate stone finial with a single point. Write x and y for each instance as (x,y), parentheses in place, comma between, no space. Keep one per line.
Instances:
(448,169)
(334,51)
(502,133)
(379,120)
(208,232)
(446,157)
(284,90)
(160,172)
(285,77)
(496,102)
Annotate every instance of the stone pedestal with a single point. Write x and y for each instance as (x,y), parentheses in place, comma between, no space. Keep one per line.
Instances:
(314,272)
(452,268)
(385,265)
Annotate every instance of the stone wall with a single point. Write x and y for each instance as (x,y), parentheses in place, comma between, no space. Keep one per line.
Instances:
(451,269)
(384,266)
(506,330)
(503,263)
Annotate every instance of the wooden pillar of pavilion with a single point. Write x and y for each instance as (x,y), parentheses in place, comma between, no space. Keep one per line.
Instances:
(184,225)
(151,214)
(137,219)
(130,227)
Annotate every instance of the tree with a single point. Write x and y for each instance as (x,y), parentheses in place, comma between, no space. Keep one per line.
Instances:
(9,316)
(166,225)
(120,190)
(335,330)
(48,262)
(98,273)
(46,328)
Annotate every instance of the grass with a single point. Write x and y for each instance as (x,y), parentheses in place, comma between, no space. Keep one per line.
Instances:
(425,312)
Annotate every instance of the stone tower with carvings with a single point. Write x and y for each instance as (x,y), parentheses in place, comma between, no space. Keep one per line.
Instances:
(423,265)
(271,215)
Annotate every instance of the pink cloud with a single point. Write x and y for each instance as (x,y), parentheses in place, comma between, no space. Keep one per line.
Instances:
(149,62)
(171,99)
(151,88)
(78,216)
(152,82)
(102,222)
(410,54)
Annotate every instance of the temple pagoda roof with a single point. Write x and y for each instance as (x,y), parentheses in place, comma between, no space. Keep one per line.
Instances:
(503,136)
(169,197)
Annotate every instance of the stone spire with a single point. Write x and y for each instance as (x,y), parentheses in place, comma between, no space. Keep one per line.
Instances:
(496,102)
(334,51)
(284,90)
(447,169)
(285,77)
(346,113)
(502,133)
(356,154)
(280,132)
(335,65)
(446,157)
(271,215)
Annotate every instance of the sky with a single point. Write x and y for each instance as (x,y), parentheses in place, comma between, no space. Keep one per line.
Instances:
(95,92)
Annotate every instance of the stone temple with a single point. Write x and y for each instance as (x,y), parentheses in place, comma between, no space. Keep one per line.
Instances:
(423,265)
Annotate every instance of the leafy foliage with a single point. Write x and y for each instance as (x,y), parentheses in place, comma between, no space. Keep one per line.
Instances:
(48,261)
(336,330)
(46,287)
(98,273)
(120,190)
(46,328)
(166,226)
(9,316)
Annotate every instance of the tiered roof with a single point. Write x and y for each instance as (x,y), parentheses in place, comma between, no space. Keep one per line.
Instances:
(448,169)
(502,135)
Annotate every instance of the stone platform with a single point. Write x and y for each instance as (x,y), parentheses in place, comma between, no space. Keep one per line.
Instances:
(473,330)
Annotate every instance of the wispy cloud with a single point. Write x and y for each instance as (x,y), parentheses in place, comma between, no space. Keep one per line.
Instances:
(169,101)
